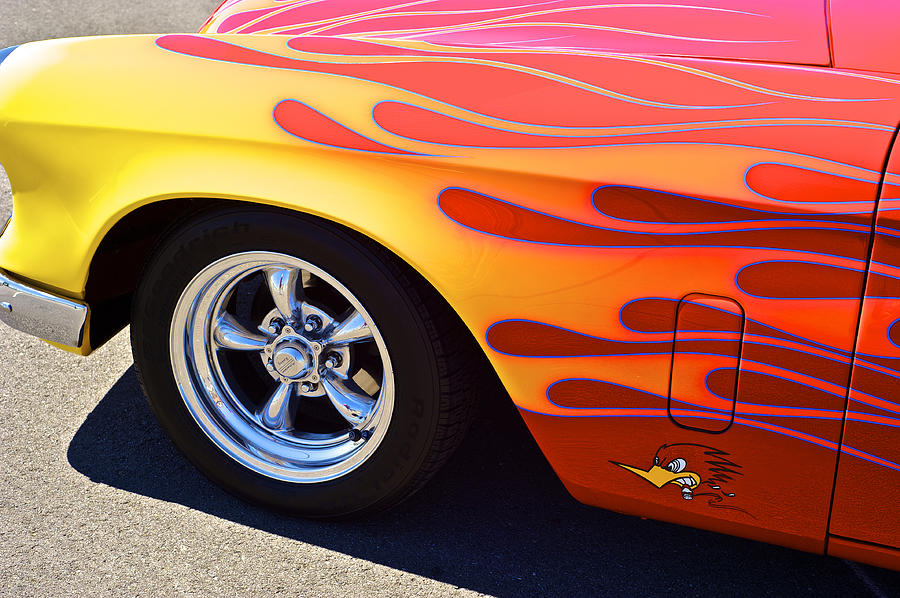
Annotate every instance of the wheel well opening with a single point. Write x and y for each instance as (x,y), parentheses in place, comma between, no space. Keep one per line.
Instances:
(117,264)
(118,260)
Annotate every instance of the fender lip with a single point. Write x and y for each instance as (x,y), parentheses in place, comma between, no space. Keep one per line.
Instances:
(49,317)
(5,52)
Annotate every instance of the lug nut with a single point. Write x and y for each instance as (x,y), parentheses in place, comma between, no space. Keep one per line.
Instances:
(308,387)
(357,435)
(333,361)
(276,325)
(270,366)
(313,324)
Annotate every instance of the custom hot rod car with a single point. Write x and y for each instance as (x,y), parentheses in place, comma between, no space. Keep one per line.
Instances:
(671,229)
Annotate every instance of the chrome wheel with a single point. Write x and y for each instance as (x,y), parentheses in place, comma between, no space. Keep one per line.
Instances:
(282,367)
(297,364)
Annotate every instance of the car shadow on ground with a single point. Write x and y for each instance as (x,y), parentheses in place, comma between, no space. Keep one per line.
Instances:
(495,520)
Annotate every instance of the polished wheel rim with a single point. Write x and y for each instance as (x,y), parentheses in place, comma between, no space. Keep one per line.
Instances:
(282,367)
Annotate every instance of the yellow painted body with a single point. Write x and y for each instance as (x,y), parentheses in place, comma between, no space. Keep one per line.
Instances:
(91,129)
(94,128)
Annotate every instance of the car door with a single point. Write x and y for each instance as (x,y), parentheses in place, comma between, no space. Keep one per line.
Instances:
(867,486)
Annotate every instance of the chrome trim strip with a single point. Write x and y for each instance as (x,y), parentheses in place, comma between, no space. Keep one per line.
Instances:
(41,314)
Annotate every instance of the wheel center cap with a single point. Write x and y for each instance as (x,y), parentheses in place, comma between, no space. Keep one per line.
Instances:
(291,361)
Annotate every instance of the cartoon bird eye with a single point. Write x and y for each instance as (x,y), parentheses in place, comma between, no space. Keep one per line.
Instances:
(656,460)
(676,465)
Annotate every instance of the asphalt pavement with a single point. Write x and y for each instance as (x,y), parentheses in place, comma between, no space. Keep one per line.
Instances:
(94,501)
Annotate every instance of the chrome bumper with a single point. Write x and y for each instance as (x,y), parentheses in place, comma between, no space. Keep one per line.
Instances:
(41,314)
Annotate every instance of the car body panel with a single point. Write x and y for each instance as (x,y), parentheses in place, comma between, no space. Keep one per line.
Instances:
(863,490)
(764,30)
(661,256)
(864,34)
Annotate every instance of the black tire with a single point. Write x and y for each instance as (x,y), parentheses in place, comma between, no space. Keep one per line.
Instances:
(431,354)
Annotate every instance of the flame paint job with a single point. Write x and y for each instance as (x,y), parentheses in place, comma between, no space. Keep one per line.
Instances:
(566,176)
(762,30)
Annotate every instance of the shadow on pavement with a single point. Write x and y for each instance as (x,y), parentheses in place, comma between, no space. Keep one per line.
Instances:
(495,520)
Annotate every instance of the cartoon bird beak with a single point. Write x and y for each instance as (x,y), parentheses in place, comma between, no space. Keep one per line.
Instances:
(659,477)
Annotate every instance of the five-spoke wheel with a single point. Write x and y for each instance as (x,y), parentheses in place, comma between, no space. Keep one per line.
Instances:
(298,365)
(319,347)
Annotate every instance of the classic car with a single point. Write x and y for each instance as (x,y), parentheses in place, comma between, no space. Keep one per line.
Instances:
(670,229)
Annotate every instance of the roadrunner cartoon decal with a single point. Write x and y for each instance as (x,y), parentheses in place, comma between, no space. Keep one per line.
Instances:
(697,469)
